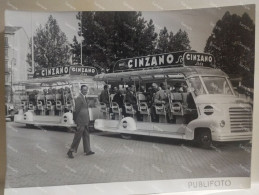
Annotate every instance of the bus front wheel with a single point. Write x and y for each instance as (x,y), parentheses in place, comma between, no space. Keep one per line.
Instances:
(30,126)
(204,138)
(126,136)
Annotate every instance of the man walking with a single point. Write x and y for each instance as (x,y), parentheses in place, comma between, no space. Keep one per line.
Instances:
(81,117)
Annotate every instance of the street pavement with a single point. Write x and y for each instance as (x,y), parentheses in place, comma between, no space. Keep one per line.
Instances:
(37,157)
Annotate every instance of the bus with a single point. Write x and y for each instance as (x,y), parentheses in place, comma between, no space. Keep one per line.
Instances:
(48,98)
(199,104)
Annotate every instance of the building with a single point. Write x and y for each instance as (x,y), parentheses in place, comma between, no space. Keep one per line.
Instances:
(16,49)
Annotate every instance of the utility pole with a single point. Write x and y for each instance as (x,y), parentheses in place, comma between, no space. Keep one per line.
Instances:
(32,48)
(81,40)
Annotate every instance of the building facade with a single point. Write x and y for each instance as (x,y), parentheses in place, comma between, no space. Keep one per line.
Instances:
(16,67)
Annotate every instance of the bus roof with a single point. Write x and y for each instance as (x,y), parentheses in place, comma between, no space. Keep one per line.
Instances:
(159,73)
(165,60)
(56,81)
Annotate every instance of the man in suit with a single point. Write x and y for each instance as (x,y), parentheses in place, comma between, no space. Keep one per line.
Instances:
(130,97)
(118,97)
(81,117)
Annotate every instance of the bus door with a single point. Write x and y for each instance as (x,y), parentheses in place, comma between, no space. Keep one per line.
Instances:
(195,88)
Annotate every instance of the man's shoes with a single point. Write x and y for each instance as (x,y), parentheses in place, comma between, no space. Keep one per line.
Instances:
(70,154)
(89,153)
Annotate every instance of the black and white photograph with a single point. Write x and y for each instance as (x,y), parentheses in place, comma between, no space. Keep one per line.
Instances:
(154,96)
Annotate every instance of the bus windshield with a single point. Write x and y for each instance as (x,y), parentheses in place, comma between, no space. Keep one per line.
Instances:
(197,86)
(217,85)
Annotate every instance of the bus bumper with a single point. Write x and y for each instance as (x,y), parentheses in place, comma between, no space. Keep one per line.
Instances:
(232,137)
(57,121)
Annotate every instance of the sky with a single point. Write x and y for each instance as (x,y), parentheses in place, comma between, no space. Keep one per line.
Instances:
(198,23)
(31,20)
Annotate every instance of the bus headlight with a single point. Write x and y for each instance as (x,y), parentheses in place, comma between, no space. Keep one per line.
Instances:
(222,123)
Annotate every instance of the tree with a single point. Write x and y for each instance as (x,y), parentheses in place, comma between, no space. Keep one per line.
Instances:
(50,46)
(110,36)
(150,38)
(232,43)
(163,42)
(168,42)
(179,42)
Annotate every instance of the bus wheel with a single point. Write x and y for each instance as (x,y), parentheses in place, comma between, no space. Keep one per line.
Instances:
(29,126)
(246,143)
(205,140)
(126,136)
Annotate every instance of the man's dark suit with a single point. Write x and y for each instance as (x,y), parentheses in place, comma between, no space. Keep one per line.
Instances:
(81,118)
(130,98)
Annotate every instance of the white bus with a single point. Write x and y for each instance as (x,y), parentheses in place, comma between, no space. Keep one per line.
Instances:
(48,98)
(201,104)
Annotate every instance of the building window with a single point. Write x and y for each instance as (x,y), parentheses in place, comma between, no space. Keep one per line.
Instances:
(13,61)
(7,79)
(6,41)
(6,65)
(6,53)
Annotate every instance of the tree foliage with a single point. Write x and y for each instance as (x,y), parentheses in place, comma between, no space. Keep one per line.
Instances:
(51,47)
(232,43)
(163,41)
(179,42)
(110,36)
(168,42)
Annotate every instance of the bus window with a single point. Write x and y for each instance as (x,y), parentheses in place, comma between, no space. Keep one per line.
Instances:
(197,85)
(217,85)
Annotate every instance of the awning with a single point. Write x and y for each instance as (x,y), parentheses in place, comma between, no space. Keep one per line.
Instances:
(159,73)
(56,81)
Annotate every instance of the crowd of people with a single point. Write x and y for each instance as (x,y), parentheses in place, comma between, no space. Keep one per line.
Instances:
(154,95)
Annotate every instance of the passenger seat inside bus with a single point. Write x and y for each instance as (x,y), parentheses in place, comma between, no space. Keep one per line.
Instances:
(59,105)
(50,104)
(105,110)
(177,101)
(41,104)
(143,107)
(24,102)
(68,103)
(116,110)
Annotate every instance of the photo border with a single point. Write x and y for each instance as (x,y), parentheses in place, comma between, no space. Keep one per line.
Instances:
(118,5)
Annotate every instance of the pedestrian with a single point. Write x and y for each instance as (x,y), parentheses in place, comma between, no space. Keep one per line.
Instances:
(81,117)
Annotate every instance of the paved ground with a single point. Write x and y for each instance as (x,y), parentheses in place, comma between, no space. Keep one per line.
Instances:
(37,157)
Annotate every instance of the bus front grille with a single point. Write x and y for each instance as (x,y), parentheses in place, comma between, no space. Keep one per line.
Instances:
(240,119)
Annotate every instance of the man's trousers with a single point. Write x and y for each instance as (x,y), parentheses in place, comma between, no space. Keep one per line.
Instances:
(82,132)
